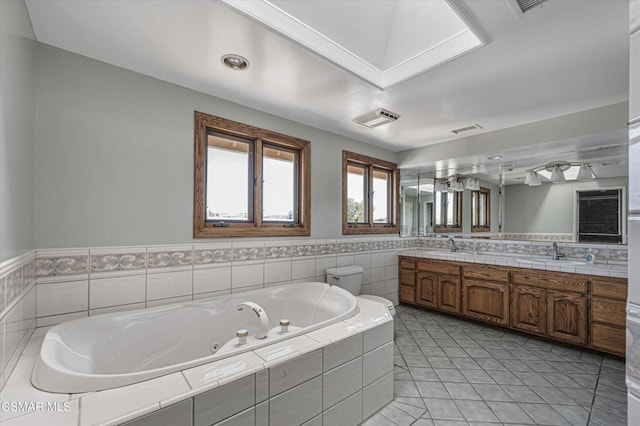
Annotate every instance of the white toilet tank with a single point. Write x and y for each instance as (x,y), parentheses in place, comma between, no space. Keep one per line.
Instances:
(347,277)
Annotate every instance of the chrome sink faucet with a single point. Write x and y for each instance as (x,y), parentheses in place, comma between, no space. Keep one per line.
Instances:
(556,255)
(454,248)
(262,316)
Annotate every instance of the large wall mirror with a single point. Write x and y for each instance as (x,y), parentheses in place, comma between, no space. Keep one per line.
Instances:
(573,191)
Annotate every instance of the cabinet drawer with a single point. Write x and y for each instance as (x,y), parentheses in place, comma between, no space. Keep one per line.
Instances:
(486,272)
(407,294)
(614,288)
(439,266)
(550,280)
(608,311)
(407,277)
(407,262)
(608,338)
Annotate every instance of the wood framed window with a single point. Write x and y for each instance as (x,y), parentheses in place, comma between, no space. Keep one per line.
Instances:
(481,210)
(249,182)
(447,211)
(370,189)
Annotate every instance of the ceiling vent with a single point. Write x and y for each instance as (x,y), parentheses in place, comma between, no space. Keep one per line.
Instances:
(377,118)
(467,128)
(526,5)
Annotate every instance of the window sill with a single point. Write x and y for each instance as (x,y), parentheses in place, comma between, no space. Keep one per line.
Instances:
(481,229)
(447,229)
(248,230)
(366,229)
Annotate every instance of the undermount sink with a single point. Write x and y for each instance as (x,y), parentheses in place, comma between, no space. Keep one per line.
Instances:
(559,262)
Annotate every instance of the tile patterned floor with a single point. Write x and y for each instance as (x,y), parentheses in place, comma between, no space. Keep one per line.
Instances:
(453,372)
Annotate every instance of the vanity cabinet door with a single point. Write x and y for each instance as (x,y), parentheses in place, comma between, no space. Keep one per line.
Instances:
(567,317)
(529,309)
(427,294)
(486,301)
(449,293)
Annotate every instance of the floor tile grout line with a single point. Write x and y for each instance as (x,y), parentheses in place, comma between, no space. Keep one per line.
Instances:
(566,355)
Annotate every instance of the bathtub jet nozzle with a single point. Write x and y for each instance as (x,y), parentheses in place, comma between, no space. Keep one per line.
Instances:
(262,316)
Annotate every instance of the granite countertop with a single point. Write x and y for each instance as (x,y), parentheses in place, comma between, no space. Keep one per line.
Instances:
(605,269)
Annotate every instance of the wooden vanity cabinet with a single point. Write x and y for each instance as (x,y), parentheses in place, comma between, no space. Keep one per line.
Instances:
(567,317)
(608,303)
(579,309)
(566,300)
(485,293)
(529,309)
(407,280)
(427,289)
(438,285)
(449,293)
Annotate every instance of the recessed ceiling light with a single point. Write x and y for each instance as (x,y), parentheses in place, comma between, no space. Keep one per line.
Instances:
(235,62)
(495,157)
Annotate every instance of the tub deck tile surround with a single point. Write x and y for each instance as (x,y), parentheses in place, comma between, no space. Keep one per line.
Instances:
(286,383)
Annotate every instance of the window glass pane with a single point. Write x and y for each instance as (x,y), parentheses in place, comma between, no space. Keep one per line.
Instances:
(229,169)
(438,208)
(381,208)
(474,208)
(483,209)
(356,205)
(279,170)
(451,209)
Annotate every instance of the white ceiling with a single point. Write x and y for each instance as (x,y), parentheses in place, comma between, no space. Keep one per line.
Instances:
(383,42)
(562,57)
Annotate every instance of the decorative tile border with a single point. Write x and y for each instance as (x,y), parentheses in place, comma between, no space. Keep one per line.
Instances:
(169,258)
(530,236)
(213,255)
(49,266)
(17,308)
(16,276)
(613,254)
(118,262)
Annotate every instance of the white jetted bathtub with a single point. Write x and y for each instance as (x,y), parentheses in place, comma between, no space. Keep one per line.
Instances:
(118,349)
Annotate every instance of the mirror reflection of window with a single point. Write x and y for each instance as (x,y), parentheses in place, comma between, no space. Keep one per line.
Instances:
(448,211)
(480,210)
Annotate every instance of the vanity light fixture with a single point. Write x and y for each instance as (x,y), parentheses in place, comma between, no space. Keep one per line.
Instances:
(532,179)
(235,62)
(585,173)
(560,171)
(456,185)
(556,174)
(472,184)
(495,157)
(440,185)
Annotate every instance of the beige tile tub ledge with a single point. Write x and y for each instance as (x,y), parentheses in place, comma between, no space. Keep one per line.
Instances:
(116,406)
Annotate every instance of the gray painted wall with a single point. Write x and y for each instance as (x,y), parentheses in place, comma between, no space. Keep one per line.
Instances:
(17,115)
(114,156)
(548,207)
